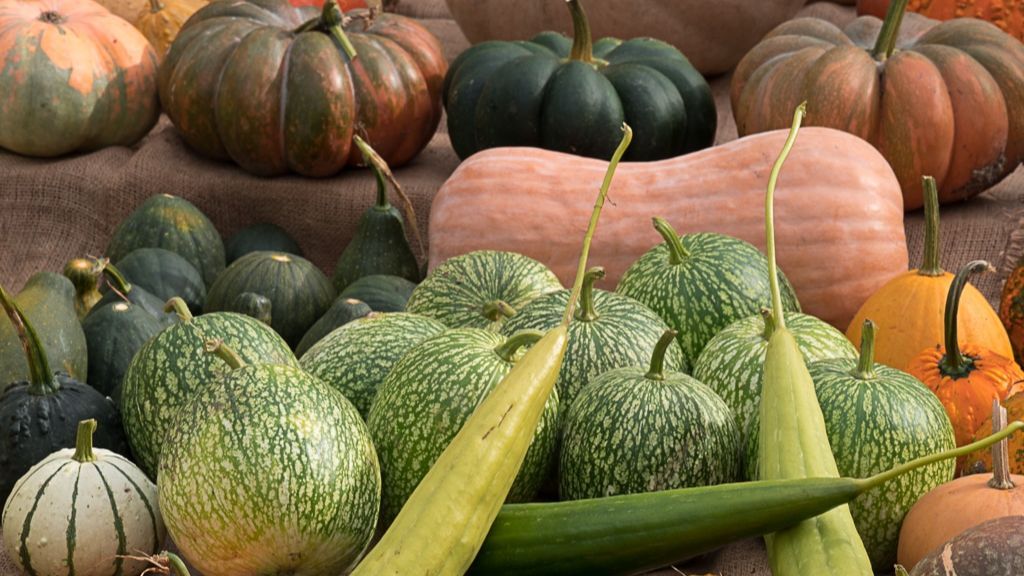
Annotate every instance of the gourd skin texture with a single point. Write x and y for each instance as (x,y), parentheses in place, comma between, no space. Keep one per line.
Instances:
(48,301)
(343,311)
(115,333)
(278,466)
(164,274)
(381,292)
(993,548)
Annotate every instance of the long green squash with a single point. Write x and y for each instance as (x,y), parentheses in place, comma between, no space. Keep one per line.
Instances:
(793,441)
(444,522)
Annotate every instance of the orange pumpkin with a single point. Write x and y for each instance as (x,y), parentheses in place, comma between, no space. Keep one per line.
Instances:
(907,308)
(1007,14)
(1011,310)
(163,19)
(981,461)
(965,378)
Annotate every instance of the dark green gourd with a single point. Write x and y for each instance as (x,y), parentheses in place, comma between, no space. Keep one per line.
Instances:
(343,311)
(40,415)
(260,237)
(121,290)
(381,292)
(379,245)
(115,332)
(85,274)
(253,305)
(165,275)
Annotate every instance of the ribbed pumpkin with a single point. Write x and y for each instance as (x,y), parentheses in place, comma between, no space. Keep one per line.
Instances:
(262,236)
(1008,15)
(700,283)
(172,367)
(732,363)
(343,311)
(164,274)
(936,99)
(481,288)
(162,21)
(298,291)
(114,333)
(74,78)
(966,377)
(320,77)
(428,396)
(355,358)
(48,300)
(907,308)
(639,429)
(85,275)
(83,511)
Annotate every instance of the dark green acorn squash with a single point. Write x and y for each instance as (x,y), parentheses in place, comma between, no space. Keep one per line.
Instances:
(85,274)
(260,237)
(115,332)
(175,224)
(48,300)
(40,415)
(343,311)
(298,291)
(164,274)
(381,292)
(640,429)
(119,289)
(700,283)
(573,96)
(253,305)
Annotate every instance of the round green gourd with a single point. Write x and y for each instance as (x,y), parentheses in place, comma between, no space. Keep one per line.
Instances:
(608,331)
(355,358)
(343,311)
(164,274)
(261,237)
(700,283)
(381,292)
(298,291)
(732,363)
(175,224)
(429,395)
(269,471)
(171,367)
(121,290)
(115,333)
(481,289)
(644,429)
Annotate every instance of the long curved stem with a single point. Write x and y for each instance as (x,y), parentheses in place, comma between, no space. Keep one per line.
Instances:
(582,39)
(118,283)
(507,349)
(657,369)
(382,170)
(886,43)
(587,311)
(41,378)
(954,364)
(932,264)
(179,307)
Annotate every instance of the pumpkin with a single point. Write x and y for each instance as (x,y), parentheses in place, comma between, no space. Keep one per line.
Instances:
(260,237)
(74,78)
(164,274)
(714,36)
(953,507)
(341,312)
(992,548)
(946,107)
(1008,15)
(83,511)
(840,188)
(85,274)
(382,74)
(966,377)
(906,309)
(121,290)
(981,461)
(114,333)
(381,292)
(573,96)
(163,20)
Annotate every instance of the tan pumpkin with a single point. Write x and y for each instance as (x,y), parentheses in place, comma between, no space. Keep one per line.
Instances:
(162,20)
(839,211)
(126,9)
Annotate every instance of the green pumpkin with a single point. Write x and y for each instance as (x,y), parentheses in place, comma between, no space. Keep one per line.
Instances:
(175,224)
(165,275)
(355,358)
(269,471)
(261,237)
(640,429)
(343,311)
(381,292)
(171,367)
(429,395)
(481,289)
(48,300)
(85,274)
(609,331)
(573,96)
(115,333)
(121,290)
(253,305)
(700,283)
(298,291)
(732,363)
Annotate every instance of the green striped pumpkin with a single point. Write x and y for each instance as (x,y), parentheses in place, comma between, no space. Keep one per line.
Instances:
(269,471)
(170,368)
(429,395)
(481,289)
(355,358)
(700,283)
(81,512)
(732,363)
(644,429)
(609,331)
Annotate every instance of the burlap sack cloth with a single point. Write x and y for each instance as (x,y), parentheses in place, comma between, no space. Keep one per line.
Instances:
(51,211)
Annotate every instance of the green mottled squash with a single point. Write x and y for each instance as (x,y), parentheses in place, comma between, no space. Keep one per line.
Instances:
(381,292)
(115,332)
(253,305)
(355,358)
(268,471)
(732,363)
(165,275)
(85,274)
(258,238)
(431,392)
(175,224)
(171,367)
(343,311)
(48,300)
(700,283)
(298,291)
(121,290)
(481,288)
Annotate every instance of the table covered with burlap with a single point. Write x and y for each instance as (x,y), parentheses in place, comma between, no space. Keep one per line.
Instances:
(54,210)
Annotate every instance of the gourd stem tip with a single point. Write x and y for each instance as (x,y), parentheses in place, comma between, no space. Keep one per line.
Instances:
(931,264)
(657,369)
(179,307)
(587,311)
(865,369)
(217,347)
(83,441)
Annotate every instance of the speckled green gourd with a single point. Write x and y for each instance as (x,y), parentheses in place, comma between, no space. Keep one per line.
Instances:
(114,334)
(269,471)
(343,311)
(431,392)
(170,368)
(355,358)
(482,288)
(608,331)
(732,363)
(700,283)
(644,429)
(381,292)
(298,291)
(164,274)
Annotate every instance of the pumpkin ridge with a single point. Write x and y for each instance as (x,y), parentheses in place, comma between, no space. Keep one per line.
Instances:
(26,558)
(118,524)
(139,491)
(71,533)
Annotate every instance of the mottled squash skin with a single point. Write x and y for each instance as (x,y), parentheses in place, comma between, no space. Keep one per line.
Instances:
(994,548)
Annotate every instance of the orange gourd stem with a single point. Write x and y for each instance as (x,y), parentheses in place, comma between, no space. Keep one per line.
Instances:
(932,264)
(582,41)
(886,43)
(954,364)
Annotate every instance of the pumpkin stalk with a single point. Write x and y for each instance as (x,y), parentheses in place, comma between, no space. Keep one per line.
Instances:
(155,6)
(508,349)
(865,369)
(179,307)
(383,172)
(497,310)
(677,253)
(769,323)
(657,370)
(954,364)
(582,40)
(886,43)
(1001,479)
(225,353)
(117,282)
(83,441)
(931,266)
(333,20)
(587,312)
(42,379)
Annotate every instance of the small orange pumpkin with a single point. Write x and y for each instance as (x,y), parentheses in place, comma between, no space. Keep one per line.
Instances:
(967,377)
(162,20)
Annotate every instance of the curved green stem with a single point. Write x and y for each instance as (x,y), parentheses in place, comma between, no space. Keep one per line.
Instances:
(119,283)
(657,369)
(932,264)
(582,40)
(176,564)
(866,363)
(83,441)
(954,364)
(587,312)
(42,380)
(179,307)
(677,253)
(769,216)
(378,166)
(497,310)
(225,353)
(886,43)
(334,21)
(507,349)
(382,170)
(588,238)
(769,323)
